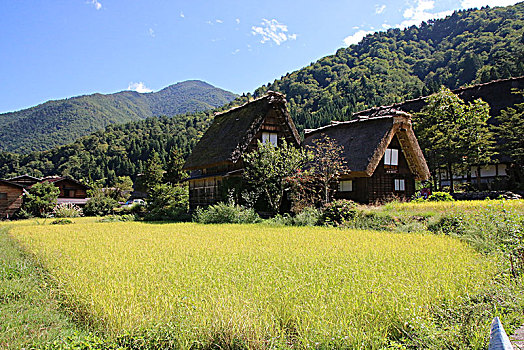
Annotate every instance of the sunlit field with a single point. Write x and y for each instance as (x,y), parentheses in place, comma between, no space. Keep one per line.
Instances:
(254,285)
(456,206)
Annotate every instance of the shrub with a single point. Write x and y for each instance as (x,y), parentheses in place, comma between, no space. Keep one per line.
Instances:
(309,216)
(67,210)
(100,206)
(168,202)
(440,197)
(40,199)
(118,218)
(223,213)
(337,212)
(61,222)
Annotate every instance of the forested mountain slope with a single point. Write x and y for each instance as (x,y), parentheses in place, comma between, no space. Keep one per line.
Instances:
(468,47)
(60,122)
(465,48)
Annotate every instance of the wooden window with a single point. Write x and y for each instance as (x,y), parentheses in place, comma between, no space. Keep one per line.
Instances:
(400,185)
(271,137)
(345,186)
(391,156)
(69,193)
(3,196)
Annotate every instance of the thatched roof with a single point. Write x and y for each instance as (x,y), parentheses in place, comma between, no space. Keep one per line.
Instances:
(231,132)
(365,141)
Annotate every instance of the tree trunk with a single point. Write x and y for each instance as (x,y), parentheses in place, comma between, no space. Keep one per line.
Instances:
(478,177)
(450,176)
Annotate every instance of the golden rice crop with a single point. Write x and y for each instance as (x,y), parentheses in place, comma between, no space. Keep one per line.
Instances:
(455,206)
(262,285)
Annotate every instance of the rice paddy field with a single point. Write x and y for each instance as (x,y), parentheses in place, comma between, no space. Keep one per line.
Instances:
(257,286)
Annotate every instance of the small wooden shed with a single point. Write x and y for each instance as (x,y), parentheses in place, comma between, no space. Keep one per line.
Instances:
(382,153)
(10,198)
(218,155)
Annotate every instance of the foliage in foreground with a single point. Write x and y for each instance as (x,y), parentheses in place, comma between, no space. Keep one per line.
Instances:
(29,314)
(226,213)
(239,286)
(40,199)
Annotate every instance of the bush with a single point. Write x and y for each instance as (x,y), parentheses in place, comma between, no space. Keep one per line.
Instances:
(61,222)
(67,210)
(309,216)
(440,197)
(118,218)
(100,205)
(40,199)
(168,202)
(223,213)
(338,212)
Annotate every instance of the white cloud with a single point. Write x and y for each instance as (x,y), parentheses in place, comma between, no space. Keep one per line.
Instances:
(235,52)
(272,30)
(182,14)
(152,32)
(420,12)
(355,38)
(219,21)
(96,4)
(385,26)
(379,8)
(138,87)
(467,4)
(237,20)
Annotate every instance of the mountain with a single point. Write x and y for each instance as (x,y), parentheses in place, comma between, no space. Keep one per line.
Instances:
(60,122)
(465,48)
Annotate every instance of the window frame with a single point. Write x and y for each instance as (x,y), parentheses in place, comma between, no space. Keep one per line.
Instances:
(341,185)
(399,185)
(3,196)
(271,137)
(391,157)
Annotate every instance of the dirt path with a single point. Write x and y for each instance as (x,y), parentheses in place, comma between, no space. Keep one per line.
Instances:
(517,339)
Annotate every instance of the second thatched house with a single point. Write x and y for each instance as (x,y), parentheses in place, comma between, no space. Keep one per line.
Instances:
(382,154)
(217,157)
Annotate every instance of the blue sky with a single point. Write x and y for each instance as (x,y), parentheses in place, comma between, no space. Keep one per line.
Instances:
(52,49)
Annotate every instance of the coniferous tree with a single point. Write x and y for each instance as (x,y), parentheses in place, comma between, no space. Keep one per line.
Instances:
(153,173)
(174,173)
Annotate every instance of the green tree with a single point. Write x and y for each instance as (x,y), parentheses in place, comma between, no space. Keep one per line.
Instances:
(174,173)
(100,202)
(454,134)
(511,130)
(153,173)
(168,202)
(40,199)
(122,189)
(267,168)
(327,164)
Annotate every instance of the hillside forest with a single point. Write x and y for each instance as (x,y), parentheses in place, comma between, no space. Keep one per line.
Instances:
(468,47)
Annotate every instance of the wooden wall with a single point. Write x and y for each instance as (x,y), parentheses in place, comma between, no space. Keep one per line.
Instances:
(13,201)
(70,189)
(381,185)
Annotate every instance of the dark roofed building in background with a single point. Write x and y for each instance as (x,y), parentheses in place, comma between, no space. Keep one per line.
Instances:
(382,154)
(500,95)
(218,155)
(12,190)
(10,198)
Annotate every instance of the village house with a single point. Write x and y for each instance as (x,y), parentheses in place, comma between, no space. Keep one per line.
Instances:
(71,191)
(12,191)
(382,154)
(500,95)
(217,157)
(10,198)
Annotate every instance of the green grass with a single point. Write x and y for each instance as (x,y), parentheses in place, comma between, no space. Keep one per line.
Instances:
(29,313)
(257,286)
